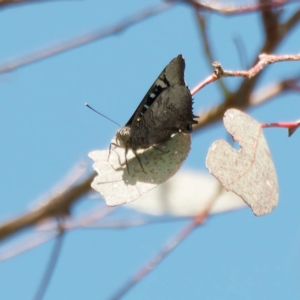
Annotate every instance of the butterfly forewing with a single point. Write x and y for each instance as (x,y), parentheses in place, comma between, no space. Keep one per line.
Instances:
(170,113)
(173,74)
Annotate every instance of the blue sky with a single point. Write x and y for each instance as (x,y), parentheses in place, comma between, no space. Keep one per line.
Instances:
(46,129)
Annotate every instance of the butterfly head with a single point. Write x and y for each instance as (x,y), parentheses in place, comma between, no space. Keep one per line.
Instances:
(122,136)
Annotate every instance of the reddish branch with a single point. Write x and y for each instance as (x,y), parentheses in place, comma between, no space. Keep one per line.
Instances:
(264,60)
(291,126)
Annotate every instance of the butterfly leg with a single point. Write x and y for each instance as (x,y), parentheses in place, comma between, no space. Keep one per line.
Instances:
(109,152)
(160,148)
(136,155)
(126,161)
(120,163)
(127,166)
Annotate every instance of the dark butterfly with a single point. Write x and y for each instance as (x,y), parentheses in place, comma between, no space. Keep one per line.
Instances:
(165,110)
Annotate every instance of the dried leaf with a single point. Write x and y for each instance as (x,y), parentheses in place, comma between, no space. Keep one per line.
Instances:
(117,186)
(248,172)
(186,195)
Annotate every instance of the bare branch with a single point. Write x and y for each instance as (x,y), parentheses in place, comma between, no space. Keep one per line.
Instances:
(270,19)
(241,50)
(264,60)
(291,22)
(58,205)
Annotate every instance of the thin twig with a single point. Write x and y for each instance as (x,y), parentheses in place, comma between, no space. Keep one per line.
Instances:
(26,244)
(161,255)
(291,22)
(92,219)
(272,90)
(168,248)
(12,3)
(220,8)
(48,231)
(242,51)
(264,60)
(51,265)
(208,50)
(82,40)
(291,126)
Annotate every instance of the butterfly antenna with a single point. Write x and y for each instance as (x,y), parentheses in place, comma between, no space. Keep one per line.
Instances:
(86,104)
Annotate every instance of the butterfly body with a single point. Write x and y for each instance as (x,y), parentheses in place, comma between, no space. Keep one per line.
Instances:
(165,110)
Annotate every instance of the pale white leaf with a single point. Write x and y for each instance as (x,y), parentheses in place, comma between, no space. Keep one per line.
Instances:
(118,186)
(186,194)
(248,172)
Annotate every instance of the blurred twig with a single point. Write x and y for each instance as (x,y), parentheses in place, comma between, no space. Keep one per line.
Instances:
(272,90)
(82,40)
(48,230)
(24,245)
(51,266)
(221,8)
(58,205)
(168,247)
(242,51)
(18,2)
(208,51)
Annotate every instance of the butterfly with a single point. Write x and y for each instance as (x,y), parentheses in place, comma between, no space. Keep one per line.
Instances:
(165,110)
